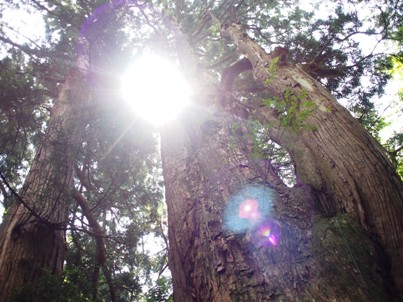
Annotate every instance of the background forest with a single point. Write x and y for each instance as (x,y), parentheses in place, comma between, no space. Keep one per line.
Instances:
(82,179)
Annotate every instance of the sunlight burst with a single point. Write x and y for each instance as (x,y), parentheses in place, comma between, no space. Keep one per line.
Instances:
(155,89)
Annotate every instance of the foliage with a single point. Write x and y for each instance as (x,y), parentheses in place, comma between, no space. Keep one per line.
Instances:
(50,288)
(370,119)
(293,109)
(272,70)
(160,292)
(22,115)
(118,168)
(394,146)
(117,175)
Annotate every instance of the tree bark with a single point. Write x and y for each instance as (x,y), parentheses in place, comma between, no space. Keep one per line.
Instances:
(32,238)
(206,164)
(337,158)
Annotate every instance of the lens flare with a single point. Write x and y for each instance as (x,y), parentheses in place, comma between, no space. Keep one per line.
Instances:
(273,240)
(265,231)
(246,209)
(266,234)
(249,209)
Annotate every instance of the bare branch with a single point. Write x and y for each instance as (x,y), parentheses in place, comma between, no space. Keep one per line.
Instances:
(42,53)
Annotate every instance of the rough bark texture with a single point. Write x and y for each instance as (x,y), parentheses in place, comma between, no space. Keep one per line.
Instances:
(337,158)
(32,239)
(205,163)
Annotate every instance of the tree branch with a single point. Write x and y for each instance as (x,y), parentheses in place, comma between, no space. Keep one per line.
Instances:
(31,51)
(231,72)
(25,204)
(100,246)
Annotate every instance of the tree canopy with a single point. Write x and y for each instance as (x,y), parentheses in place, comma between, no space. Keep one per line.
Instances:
(116,227)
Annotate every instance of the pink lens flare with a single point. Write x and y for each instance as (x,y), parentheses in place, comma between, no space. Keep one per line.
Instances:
(249,209)
(273,240)
(265,231)
(267,234)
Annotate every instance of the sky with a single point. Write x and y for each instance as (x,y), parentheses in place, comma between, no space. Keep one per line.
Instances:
(23,26)
(387,105)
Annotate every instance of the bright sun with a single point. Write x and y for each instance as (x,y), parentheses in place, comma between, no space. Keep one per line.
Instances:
(155,89)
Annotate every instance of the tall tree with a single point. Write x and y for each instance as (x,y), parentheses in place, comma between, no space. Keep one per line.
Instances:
(349,155)
(109,191)
(281,248)
(332,153)
(236,231)
(33,231)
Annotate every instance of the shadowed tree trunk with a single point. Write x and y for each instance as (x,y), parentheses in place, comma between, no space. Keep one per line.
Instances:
(336,157)
(290,252)
(32,238)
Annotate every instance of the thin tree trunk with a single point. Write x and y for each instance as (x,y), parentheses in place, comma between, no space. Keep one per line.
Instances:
(205,166)
(337,158)
(101,257)
(32,238)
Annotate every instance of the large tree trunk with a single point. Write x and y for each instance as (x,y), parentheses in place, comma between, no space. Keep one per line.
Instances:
(32,238)
(335,156)
(215,255)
